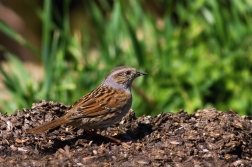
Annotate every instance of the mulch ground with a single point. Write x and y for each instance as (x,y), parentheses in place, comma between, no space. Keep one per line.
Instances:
(206,138)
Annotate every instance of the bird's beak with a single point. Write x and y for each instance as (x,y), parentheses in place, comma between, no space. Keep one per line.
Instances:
(141,73)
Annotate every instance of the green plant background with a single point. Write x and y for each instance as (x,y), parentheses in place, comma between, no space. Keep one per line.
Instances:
(197,54)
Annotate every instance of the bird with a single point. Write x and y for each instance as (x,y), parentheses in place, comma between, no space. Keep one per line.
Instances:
(102,107)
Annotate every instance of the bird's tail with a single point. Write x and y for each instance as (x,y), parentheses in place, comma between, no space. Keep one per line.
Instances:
(48,126)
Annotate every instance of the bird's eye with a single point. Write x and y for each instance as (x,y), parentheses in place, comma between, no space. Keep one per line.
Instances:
(128,72)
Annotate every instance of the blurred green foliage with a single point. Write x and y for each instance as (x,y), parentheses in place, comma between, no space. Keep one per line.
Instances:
(196,53)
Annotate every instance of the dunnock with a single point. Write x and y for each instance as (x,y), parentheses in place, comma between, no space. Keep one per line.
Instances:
(102,107)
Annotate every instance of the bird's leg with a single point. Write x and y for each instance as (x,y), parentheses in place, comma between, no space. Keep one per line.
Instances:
(126,145)
(113,139)
(92,133)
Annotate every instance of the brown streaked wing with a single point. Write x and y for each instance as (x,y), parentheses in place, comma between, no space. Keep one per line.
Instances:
(99,102)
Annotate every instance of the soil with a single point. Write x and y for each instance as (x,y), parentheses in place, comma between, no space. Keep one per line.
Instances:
(206,138)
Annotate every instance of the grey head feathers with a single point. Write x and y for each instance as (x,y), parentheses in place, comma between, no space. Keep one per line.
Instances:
(122,77)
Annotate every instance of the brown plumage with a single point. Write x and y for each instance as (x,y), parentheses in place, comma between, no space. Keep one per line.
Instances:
(102,107)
